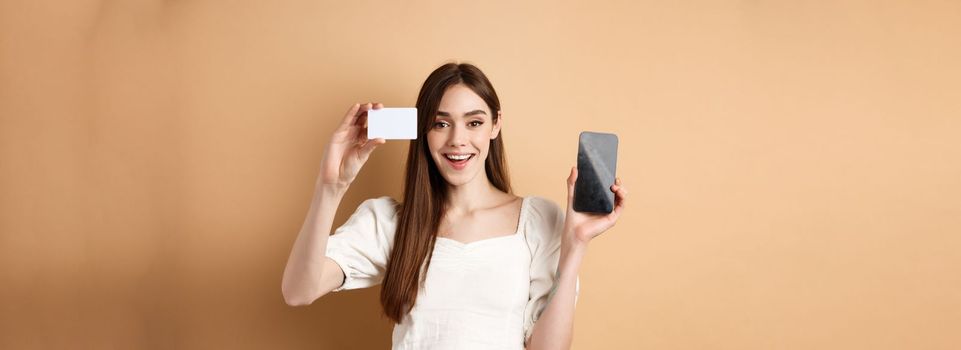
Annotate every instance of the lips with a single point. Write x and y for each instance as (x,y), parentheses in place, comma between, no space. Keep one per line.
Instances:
(458,161)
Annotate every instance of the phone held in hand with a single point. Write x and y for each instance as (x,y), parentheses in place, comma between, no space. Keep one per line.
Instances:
(596,168)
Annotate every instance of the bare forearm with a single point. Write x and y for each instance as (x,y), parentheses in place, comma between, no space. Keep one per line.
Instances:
(555,328)
(306,262)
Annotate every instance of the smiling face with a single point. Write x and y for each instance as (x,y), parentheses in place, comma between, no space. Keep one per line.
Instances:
(460,137)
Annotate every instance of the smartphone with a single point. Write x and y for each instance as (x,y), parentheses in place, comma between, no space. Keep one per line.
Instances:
(596,167)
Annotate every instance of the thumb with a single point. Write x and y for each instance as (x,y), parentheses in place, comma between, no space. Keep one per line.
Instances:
(570,187)
(369,147)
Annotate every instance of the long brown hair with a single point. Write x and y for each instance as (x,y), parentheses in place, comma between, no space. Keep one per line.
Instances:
(425,190)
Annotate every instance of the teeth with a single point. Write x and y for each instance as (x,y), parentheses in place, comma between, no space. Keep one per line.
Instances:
(458,157)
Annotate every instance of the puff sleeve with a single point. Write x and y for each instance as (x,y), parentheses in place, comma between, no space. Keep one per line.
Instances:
(362,245)
(544,229)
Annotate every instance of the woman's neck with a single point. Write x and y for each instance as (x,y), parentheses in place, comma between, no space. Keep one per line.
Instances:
(473,195)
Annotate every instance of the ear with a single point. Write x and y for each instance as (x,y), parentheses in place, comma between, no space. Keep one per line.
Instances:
(497,125)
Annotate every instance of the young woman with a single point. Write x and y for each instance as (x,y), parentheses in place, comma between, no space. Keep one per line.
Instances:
(465,263)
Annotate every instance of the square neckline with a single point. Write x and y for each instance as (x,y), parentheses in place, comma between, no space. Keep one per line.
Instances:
(521,219)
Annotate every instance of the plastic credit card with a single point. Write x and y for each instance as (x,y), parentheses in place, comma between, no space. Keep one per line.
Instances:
(392,123)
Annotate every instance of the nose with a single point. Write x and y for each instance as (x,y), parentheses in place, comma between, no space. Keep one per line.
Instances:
(458,136)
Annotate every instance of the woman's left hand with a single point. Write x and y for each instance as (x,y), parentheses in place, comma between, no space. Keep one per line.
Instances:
(580,228)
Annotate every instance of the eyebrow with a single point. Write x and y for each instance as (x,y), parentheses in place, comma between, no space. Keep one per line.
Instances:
(468,114)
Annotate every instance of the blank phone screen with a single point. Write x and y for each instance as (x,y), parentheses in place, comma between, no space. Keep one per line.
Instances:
(596,168)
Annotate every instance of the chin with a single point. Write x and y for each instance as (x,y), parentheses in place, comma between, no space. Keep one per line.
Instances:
(458,179)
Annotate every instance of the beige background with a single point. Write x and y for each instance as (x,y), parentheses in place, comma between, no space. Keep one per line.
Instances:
(794,165)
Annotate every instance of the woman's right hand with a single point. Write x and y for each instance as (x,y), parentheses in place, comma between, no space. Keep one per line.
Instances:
(348,149)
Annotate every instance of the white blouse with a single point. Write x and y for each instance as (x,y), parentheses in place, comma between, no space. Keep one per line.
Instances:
(480,295)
